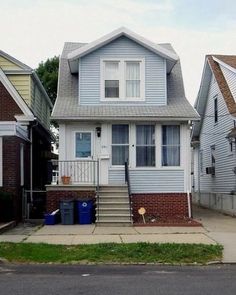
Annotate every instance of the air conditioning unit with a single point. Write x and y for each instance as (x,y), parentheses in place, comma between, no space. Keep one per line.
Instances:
(210,170)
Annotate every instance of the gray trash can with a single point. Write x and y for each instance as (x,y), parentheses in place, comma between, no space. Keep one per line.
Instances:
(67,212)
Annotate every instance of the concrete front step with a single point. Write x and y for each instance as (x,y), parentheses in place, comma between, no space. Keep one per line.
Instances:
(113,223)
(113,193)
(114,188)
(113,211)
(113,199)
(111,217)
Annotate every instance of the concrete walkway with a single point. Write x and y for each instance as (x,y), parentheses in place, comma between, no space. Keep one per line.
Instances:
(90,234)
(220,228)
(217,228)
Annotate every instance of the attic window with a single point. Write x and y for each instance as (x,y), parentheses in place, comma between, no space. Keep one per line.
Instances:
(216,109)
(122,79)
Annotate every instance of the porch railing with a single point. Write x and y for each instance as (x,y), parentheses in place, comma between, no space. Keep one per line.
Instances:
(75,172)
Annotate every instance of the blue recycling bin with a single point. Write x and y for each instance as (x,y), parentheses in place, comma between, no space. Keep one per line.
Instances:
(85,209)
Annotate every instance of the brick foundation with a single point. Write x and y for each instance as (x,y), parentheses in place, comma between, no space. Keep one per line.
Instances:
(163,205)
(54,197)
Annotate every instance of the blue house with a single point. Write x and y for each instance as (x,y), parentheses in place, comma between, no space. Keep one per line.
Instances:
(213,137)
(124,129)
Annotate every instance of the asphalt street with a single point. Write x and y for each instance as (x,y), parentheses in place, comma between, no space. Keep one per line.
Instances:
(78,279)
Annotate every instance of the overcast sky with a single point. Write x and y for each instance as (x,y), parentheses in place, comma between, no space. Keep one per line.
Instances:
(33,30)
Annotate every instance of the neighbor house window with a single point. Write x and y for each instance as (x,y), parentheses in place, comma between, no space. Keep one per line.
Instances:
(171,145)
(213,158)
(120,144)
(216,109)
(83,144)
(145,145)
(112,79)
(122,79)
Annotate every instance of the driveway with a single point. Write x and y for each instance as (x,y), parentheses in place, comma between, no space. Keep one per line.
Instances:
(221,228)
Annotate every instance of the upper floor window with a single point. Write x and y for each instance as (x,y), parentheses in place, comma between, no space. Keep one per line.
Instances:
(122,79)
(216,109)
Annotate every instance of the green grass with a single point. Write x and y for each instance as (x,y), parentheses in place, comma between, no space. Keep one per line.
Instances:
(111,253)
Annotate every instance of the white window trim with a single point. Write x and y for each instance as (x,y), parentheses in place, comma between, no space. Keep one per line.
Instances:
(126,144)
(92,144)
(1,164)
(155,145)
(122,80)
(180,146)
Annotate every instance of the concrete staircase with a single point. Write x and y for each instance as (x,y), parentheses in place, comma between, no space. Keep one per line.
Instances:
(113,207)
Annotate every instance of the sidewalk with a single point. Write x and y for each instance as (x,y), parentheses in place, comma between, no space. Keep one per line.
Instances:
(90,234)
(220,228)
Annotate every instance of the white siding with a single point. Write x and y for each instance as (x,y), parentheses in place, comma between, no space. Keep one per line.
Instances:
(150,181)
(215,134)
(155,71)
(230,77)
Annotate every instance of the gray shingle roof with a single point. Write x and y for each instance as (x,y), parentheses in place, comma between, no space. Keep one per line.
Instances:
(67,107)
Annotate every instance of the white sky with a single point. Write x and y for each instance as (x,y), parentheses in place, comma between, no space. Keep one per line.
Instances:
(33,30)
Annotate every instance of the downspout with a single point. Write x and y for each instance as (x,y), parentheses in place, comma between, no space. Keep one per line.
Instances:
(31,163)
(189,205)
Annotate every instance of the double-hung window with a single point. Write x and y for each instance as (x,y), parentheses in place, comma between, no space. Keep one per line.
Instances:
(120,144)
(112,76)
(145,145)
(122,79)
(170,145)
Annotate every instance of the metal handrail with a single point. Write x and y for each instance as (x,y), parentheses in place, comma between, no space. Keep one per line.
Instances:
(127,180)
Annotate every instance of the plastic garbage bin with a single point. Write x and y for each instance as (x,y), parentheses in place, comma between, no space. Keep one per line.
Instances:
(52,218)
(67,212)
(85,209)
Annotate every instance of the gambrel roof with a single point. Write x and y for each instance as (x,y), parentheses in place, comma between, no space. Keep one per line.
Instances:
(67,107)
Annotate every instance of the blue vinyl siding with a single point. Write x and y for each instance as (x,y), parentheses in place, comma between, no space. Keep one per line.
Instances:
(150,181)
(155,71)
(215,134)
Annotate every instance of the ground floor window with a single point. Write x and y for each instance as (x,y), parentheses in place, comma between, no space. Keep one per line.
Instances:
(145,145)
(120,144)
(170,145)
(83,144)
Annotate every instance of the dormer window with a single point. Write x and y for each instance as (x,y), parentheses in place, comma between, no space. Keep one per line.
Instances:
(122,79)
(112,79)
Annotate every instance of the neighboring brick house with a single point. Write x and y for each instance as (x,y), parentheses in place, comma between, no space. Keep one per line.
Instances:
(214,137)
(25,137)
(122,112)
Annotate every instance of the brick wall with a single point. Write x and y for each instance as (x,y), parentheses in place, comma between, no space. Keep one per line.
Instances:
(54,197)
(8,107)
(11,170)
(164,205)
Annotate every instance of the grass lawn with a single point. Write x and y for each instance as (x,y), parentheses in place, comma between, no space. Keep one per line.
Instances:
(111,253)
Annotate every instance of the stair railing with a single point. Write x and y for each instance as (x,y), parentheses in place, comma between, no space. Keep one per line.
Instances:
(127,180)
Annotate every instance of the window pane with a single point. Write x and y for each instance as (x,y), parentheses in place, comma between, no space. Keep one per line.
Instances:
(132,70)
(83,144)
(111,88)
(170,156)
(120,134)
(145,156)
(145,134)
(120,154)
(132,88)
(111,70)
(170,135)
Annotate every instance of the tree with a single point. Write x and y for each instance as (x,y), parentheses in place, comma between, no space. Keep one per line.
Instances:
(48,74)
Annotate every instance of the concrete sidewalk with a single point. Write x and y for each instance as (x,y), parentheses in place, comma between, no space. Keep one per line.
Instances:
(221,228)
(90,234)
